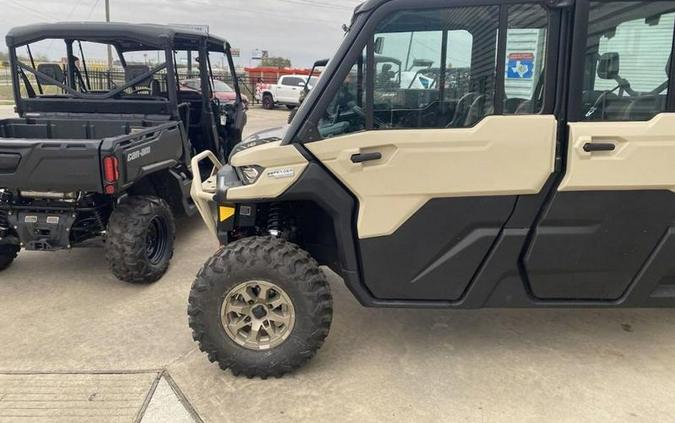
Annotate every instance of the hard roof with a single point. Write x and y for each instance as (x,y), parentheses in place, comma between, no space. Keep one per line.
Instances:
(126,36)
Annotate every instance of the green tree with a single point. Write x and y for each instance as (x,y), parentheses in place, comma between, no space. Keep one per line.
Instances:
(278,62)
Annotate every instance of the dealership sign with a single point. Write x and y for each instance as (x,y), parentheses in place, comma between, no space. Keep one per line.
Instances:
(260,54)
(520,66)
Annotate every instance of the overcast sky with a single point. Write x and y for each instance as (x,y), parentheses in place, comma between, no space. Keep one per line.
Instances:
(302,30)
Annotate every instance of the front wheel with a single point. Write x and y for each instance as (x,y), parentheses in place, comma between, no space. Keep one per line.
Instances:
(260,307)
(8,253)
(268,102)
(139,240)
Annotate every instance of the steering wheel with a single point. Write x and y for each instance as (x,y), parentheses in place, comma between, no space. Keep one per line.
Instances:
(356,109)
(216,102)
(622,85)
(359,111)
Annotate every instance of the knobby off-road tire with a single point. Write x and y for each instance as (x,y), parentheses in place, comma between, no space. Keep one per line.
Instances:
(260,261)
(268,102)
(139,241)
(7,255)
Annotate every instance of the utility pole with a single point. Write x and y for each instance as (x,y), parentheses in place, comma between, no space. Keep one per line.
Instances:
(107,19)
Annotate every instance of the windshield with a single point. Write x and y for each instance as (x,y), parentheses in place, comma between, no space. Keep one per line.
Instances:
(313,81)
(221,87)
(218,86)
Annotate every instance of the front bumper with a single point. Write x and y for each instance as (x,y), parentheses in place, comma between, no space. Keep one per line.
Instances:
(210,196)
(203,190)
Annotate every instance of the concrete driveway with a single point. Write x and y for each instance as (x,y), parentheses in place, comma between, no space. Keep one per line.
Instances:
(78,345)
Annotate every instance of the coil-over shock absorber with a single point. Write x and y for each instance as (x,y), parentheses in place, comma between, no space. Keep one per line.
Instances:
(275,217)
(5,198)
(4,222)
(99,220)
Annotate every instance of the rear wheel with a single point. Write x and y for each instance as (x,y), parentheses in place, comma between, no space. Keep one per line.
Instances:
(139,241)
(268,102)
(7,255)
(260,307)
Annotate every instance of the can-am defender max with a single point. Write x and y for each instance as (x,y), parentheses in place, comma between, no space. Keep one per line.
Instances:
(514,154)
(106,155)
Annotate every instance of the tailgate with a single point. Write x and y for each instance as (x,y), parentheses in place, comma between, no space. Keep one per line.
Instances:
(145,151)
(50,165)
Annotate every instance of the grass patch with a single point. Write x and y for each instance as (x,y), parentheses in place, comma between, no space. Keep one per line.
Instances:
(6,93)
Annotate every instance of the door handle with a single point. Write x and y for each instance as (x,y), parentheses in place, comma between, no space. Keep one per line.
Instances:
(590,147)
(365,157)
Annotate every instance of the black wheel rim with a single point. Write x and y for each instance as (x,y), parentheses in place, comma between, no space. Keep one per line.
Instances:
(156,242)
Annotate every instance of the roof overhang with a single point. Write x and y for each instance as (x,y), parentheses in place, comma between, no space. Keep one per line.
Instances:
(126,36)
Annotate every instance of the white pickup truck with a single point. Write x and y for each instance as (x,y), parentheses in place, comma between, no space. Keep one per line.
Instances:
(286,91)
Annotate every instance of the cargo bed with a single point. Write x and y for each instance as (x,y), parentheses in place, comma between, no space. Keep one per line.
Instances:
(64,153)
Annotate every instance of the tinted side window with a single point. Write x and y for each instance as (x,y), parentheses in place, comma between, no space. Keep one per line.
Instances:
(436,68)
(291,81)
(345,114)
(627,60)
(418,85)
(526,39)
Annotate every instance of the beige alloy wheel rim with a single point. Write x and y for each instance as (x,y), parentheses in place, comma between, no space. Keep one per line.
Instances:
(257,315)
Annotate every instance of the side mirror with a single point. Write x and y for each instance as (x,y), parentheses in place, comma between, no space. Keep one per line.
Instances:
(321,63)
(53,71)
(608,66)
(379,45)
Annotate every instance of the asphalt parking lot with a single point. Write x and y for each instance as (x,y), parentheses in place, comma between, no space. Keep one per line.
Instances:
(78,345)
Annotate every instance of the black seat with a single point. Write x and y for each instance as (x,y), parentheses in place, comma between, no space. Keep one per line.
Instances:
(461,110)
(476,111)
(644,107)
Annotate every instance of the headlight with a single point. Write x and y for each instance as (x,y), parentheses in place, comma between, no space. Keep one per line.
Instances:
(249,174)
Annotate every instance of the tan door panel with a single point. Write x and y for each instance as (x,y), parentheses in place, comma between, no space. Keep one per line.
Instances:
(644,157)
(502,155)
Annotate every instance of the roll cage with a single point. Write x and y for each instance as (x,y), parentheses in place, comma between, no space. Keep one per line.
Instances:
(124,38)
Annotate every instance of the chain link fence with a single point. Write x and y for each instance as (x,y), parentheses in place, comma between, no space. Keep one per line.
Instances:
(105,80)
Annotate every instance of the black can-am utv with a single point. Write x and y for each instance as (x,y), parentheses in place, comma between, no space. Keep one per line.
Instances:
(105,155)
(512,153)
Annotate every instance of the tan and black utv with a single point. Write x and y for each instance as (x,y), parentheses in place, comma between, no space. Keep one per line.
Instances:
(504,154)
